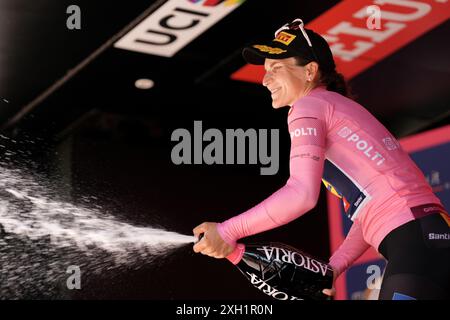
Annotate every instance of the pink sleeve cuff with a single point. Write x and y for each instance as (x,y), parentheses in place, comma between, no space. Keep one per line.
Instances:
(237,254)
(221,227)
(338,265)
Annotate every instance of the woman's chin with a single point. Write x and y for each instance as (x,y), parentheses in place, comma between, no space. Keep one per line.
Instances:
(276,105)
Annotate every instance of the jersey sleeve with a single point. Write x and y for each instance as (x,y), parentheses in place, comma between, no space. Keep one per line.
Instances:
(308,130)
(351,249)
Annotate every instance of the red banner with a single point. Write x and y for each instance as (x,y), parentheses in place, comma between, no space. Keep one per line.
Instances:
(362,32)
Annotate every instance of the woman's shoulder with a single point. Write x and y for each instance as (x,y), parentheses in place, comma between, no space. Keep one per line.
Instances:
(315,105)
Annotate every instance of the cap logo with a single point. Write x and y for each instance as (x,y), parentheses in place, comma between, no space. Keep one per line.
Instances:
(268,49)
(285,38)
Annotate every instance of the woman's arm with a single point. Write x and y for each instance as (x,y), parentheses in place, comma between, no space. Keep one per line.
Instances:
(351,249)
(296,197)
(307,129)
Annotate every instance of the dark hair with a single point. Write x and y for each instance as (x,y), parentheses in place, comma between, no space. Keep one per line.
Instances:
(333,80)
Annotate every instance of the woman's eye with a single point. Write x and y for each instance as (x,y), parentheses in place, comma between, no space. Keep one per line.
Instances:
(275,69)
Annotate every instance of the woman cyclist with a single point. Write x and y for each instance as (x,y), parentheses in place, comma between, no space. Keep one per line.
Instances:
(337,141)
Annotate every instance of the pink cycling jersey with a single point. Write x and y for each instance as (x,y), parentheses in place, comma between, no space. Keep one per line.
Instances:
(336,141)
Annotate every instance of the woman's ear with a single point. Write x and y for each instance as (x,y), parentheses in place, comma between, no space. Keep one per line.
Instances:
(312,69)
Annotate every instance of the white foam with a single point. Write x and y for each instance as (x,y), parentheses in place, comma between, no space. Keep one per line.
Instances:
(67,224)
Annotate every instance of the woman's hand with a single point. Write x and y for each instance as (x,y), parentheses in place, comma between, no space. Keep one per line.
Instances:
(332,291)
(211,244)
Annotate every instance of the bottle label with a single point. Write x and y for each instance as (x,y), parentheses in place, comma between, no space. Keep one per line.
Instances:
(269,290)
(296,258)
(285,273)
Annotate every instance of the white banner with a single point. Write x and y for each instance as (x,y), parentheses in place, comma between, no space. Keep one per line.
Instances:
(174,25)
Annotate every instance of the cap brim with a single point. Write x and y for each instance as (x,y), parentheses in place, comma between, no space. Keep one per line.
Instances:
(257,54)
(252,56)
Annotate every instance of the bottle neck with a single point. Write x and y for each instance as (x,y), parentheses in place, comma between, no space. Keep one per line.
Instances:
(236,256)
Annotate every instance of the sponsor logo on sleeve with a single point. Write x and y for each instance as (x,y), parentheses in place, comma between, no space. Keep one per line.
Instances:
(300,132)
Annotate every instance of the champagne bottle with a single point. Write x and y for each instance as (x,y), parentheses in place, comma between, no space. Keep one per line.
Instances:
(283,272)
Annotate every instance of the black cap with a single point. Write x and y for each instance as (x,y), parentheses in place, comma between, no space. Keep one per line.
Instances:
(293,40)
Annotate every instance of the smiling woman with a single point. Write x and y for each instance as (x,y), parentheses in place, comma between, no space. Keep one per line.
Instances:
(337,141)
(291,78)
(287,81)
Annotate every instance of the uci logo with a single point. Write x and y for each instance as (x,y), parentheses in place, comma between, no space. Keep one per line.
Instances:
(174,25)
